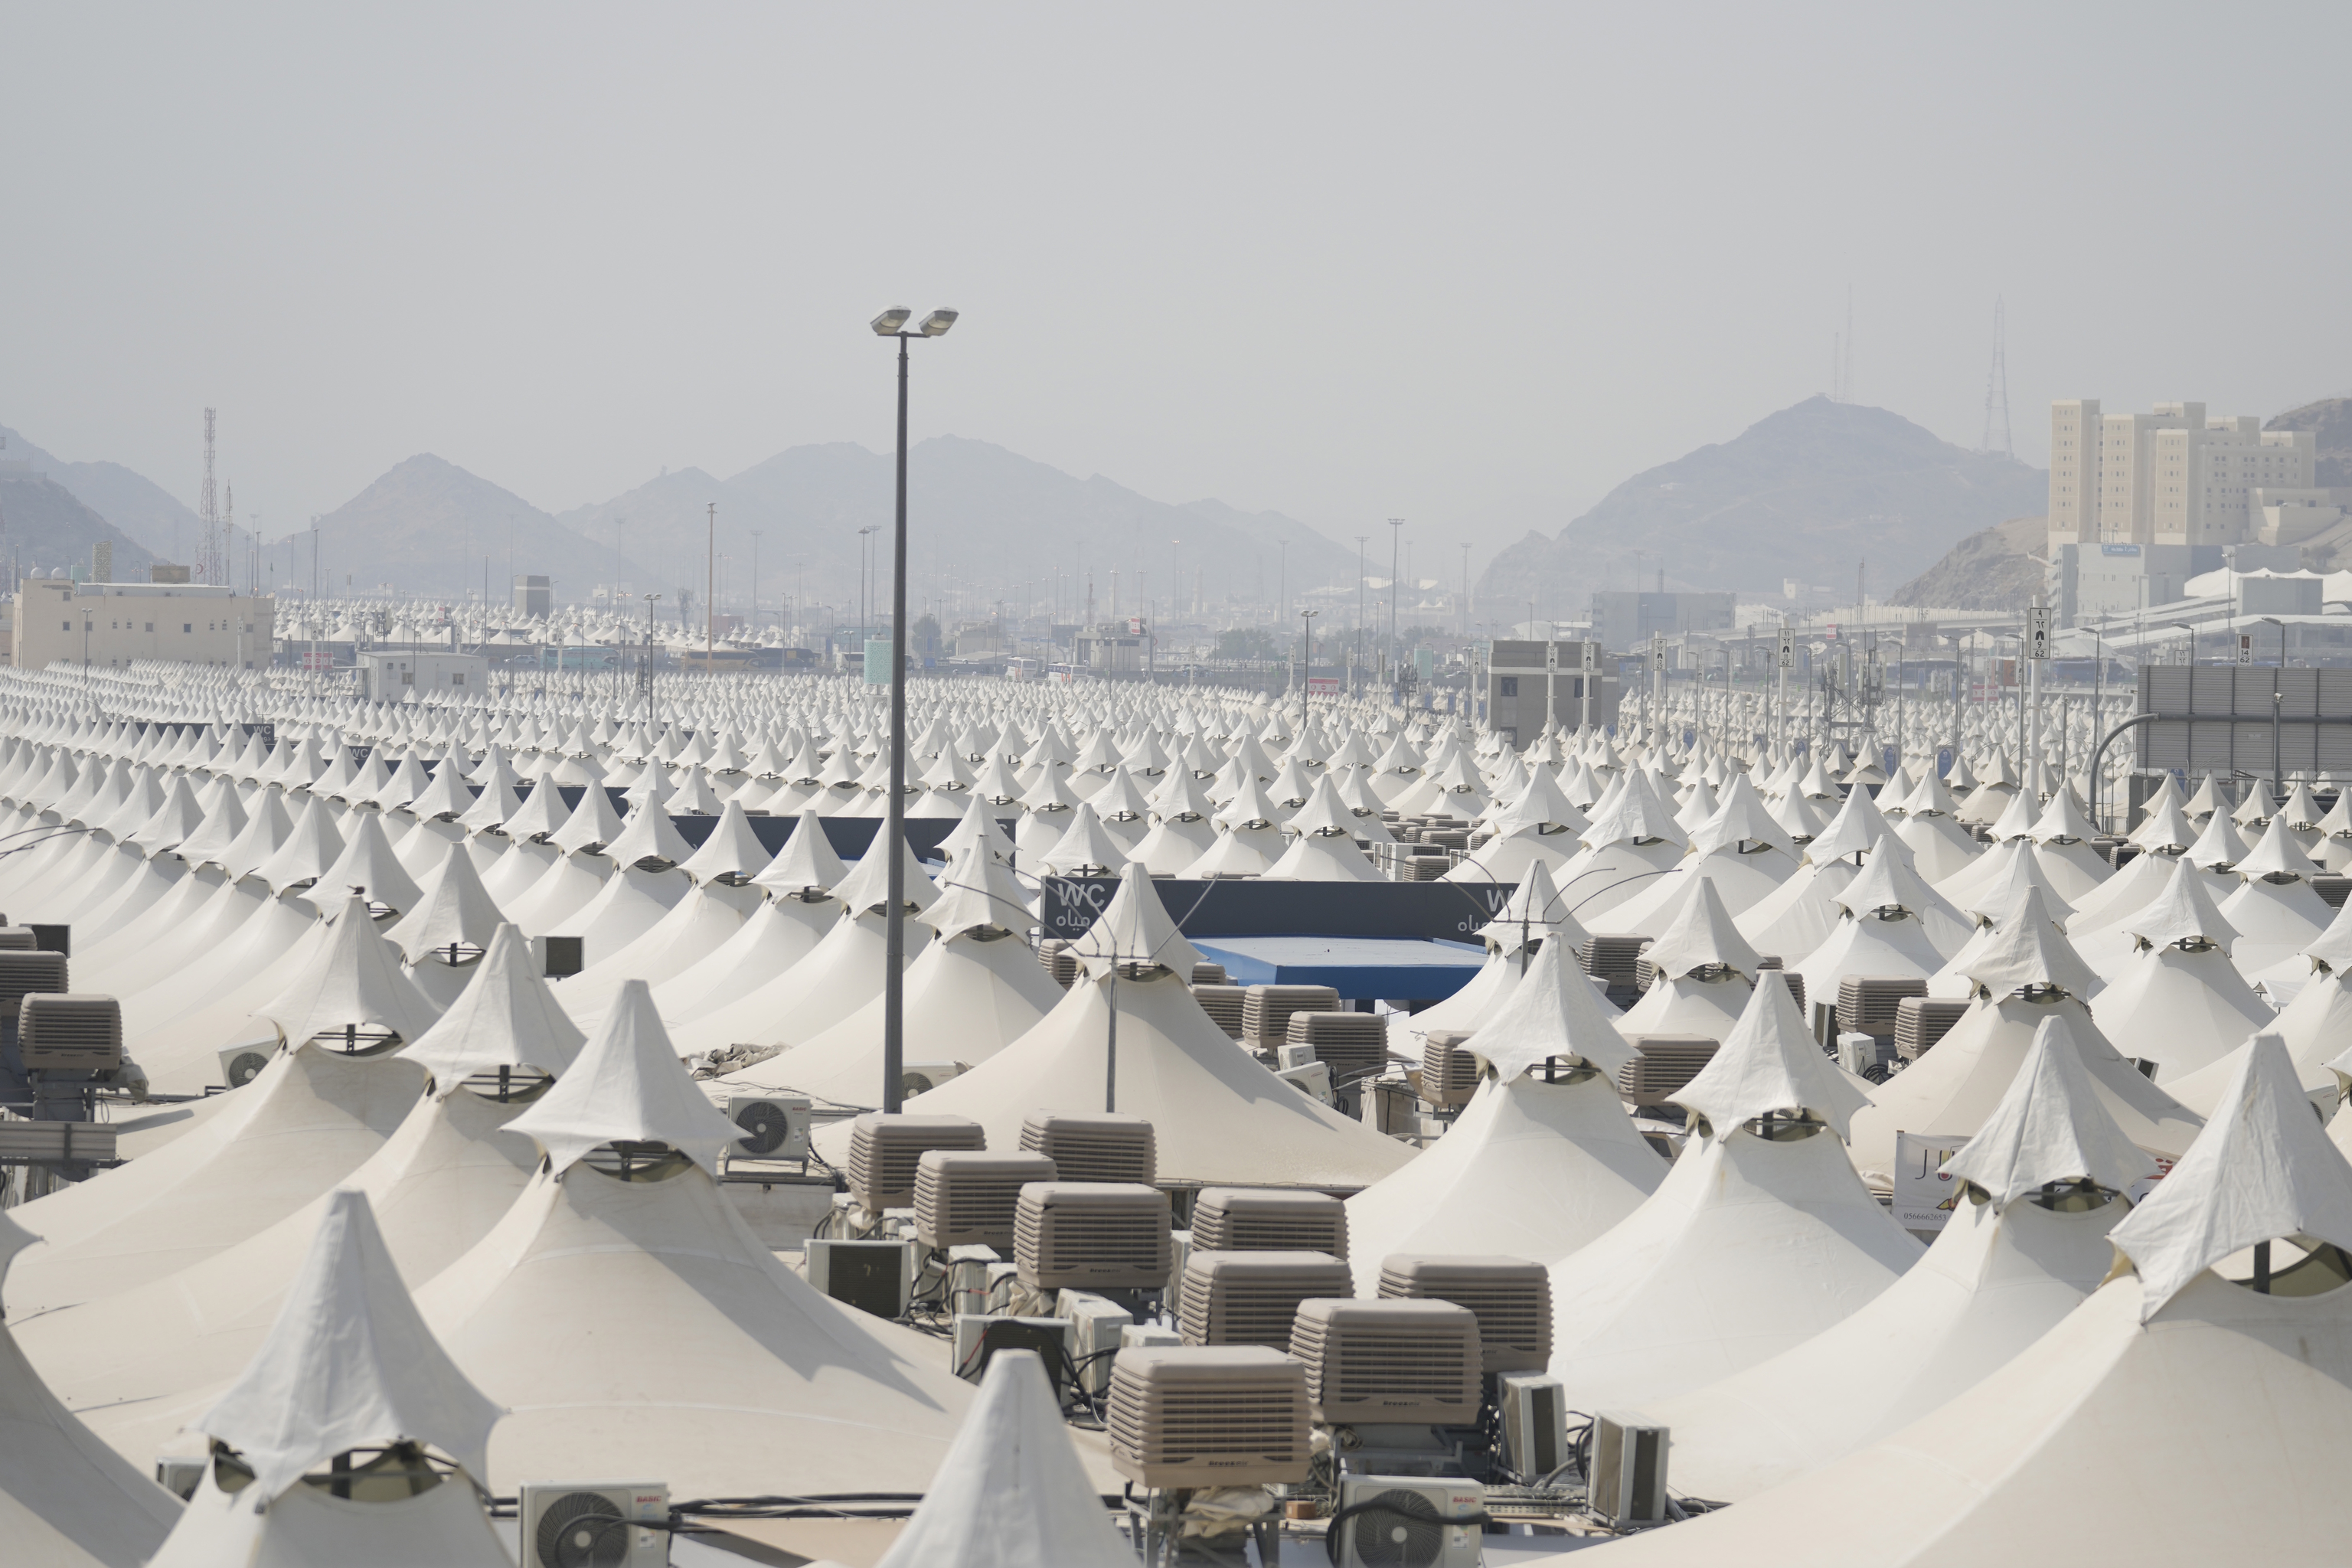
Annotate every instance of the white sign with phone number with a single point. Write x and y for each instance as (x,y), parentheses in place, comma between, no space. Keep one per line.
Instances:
(1925,1194)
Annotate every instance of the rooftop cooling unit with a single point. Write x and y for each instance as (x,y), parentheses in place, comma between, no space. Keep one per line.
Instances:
(18,939)
(883,1148)
(1207,974)
(1613,958)
(1409,1521)
(594,1524)
(775,1126)
(23,973)
(1250,1298)
(925,1077)
(1269,1219)
(1223,1004)
(967,1198)
(1511,1297)
(1662,1065)
(1267,1010)
(1095,1235)
(1628,1484)
(1796,981)
(1103,1148)
(1388,1361)
(70,1033)
(1866,1003)
(876,1277)
(1207,1416)
(1355,1045)
(1060,963)
(1449,1075)
(1921,1021)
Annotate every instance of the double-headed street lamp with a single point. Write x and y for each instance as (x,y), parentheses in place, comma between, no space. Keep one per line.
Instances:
(893,324)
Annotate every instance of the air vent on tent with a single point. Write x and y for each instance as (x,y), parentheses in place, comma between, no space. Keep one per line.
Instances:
(1866,1003)
(1449,1075)
(1224,1005)
(1921,1021)
(1060,963)
(775,1126)
(1511,1297)
(1093,1236)
(594,1524)
(1250,1298)
(968,1197)
(23,974)
(883,1148)
(1268,1219)
(1352,1045)
(1207,974)
(1104,1148)
(1613,959)
(1662,1065)
(1198,1417)
(240,1064)
(1267,1010)
(70,1033)
(1392,1359)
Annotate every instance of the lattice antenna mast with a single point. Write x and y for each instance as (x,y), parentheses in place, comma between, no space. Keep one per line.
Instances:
(209,511)
(1996,429)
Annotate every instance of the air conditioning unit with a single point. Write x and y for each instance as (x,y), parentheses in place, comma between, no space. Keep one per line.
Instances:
(1100,1148)
(1866,1003)
(1921,1021)
(1098,1329)
(1864,1056)
(876,1277)
(775,1126)
(1207,974)
(1208,1416)
(968,1197)
(27,1142)
(181,1475)
(1060,963)
(1095,1235)
(1614,958)
(883,1148)
(1354,1044)
(1534,1428)
(1449,1075)
(975,1339)
(1267,1010)
(1628,1483)
(26,974)
(928,1076)
(1388,1361)
(1510,1296)
(1796,981)
(560,957)
(1250,1298)
(1409,1521)
(1269,1219)
(1312,1079)
(240,1064)
(611,1524)
(70,1033)
(1662,1065)
(1225,1004)
(18,939)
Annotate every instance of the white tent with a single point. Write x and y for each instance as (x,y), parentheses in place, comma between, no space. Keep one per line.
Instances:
(2024,1243)
(1532,916)
(1545,1120)
(2177,999)
(1760,1237)
(2046,1460)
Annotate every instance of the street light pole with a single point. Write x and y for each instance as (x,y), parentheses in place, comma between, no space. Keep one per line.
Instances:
(892,325)
(1306,660)
(1396,632)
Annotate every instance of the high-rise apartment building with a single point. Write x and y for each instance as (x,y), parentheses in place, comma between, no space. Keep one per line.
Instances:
(2173,477)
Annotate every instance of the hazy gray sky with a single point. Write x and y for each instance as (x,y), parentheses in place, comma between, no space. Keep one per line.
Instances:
(1471,265)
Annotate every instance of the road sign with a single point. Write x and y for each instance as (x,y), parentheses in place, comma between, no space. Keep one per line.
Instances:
(1657,651)
(2245,649)
(2037,633)
(1788,648)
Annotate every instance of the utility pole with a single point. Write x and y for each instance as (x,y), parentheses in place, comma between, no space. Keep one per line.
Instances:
(1361,540)
(1396,632)
(710,591)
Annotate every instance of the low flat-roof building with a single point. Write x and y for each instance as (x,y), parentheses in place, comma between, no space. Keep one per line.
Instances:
(59,621)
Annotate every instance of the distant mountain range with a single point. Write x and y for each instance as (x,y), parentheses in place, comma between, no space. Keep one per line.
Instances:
(1808,493)
(144,509)
(42,523)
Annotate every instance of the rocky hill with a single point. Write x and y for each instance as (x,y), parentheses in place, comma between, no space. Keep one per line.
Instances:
(43,524)
(161,523)
(1998,569)
(1806,493)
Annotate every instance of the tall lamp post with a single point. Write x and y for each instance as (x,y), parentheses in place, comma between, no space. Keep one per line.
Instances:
(893,324)
(1396,633)
(1306,659)
(2278,703)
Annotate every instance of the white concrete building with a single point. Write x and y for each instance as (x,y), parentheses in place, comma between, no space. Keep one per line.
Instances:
(114,624)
